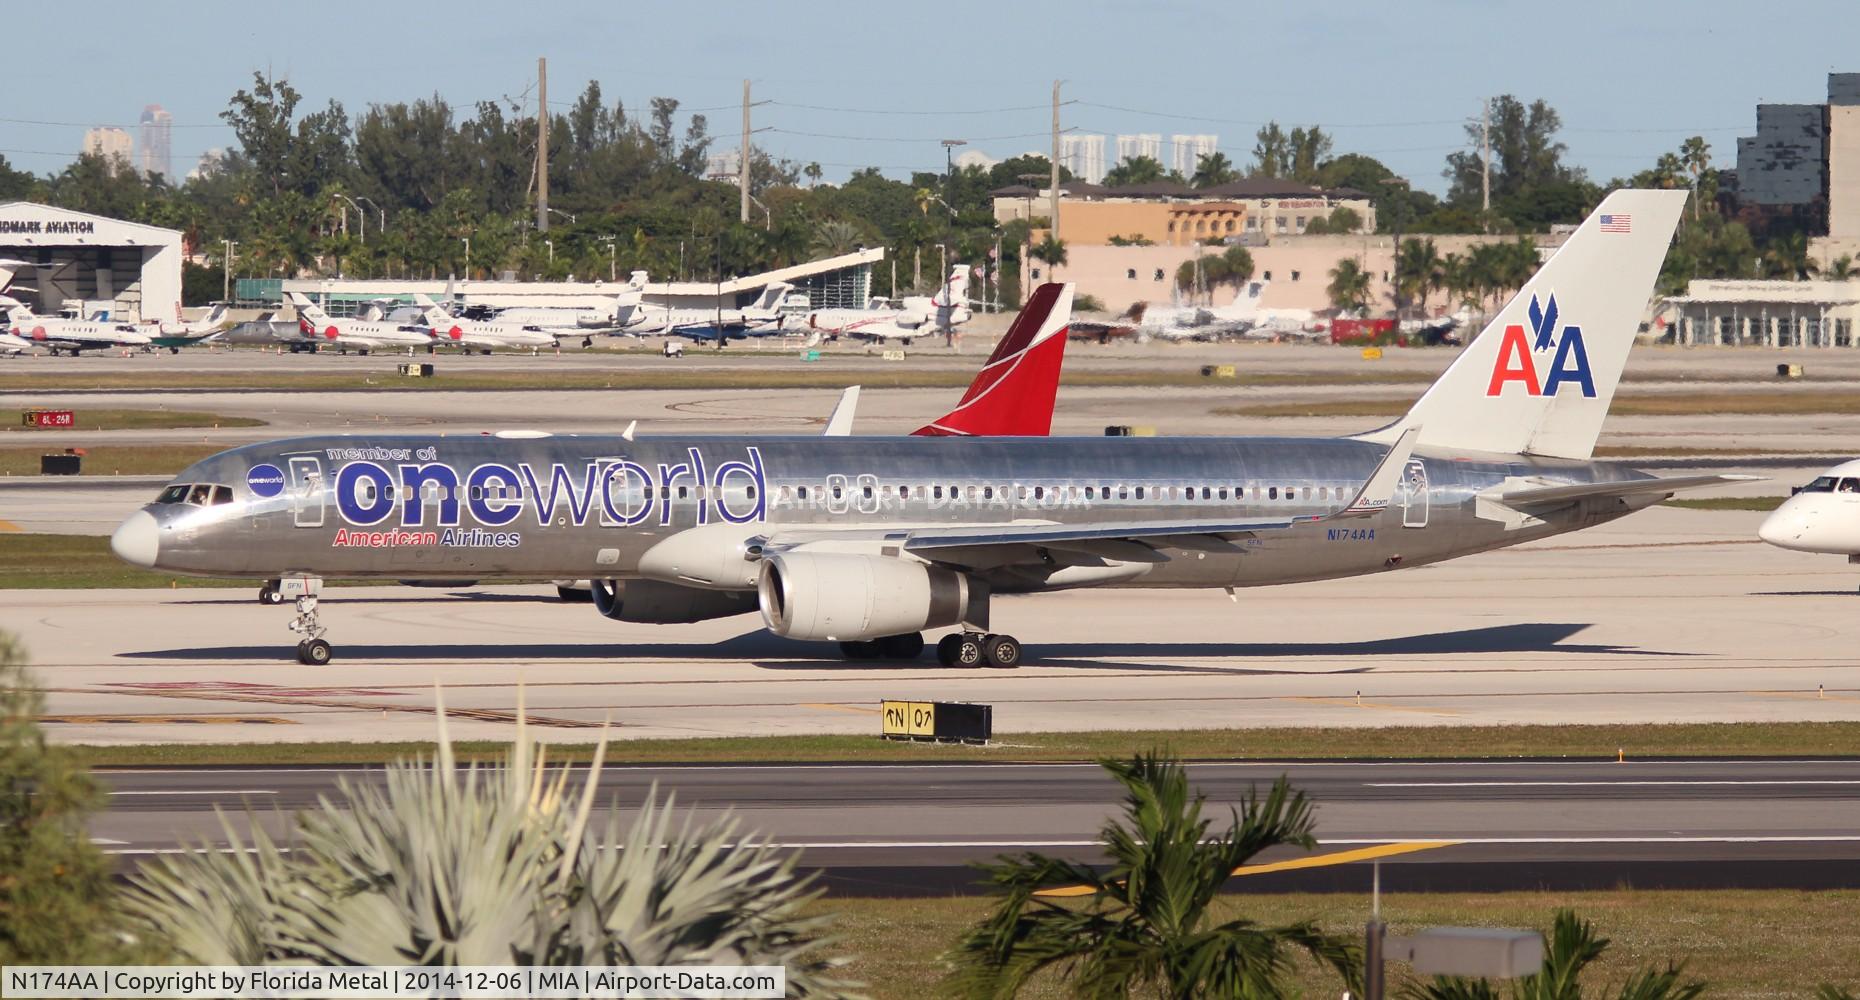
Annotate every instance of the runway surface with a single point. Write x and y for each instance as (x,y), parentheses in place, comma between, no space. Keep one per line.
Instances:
(1668,615)
(1444,825)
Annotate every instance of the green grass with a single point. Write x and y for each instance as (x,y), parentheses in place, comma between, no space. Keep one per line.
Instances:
(114,459)
(1726,503)
(1594,742)
(1746,943)
(106,419)
(67,562)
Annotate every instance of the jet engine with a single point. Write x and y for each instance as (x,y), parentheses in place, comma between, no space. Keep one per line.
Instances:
(651,602)
(846,596)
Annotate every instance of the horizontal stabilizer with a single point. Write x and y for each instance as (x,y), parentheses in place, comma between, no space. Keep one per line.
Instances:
(1541,496)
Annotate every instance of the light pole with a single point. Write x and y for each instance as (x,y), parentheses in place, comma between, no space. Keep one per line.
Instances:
(226,271)
(949,169)
(613,257)
(768,217)
(1401,209)
(359,214)
(565,215)
(382,212)
(551,244)
(467,241)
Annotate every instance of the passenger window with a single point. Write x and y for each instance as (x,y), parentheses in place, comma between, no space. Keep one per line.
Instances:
(785,494)
(1223,493)
(838,493)
(1272,493)
(683,492)
(1039,492)
(750,490)
(1123,492)
(1207,493)
(1089,495)
(936,492)
(988,493)
(867,491)
(904,492)
(1139,493)
(801,492)
(222,495)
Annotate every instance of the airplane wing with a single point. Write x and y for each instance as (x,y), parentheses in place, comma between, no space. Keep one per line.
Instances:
(1546,495)
(1136,540)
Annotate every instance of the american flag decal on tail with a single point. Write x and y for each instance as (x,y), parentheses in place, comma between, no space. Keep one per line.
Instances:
(1617,223)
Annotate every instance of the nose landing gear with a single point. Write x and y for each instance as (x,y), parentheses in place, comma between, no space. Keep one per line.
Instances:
(312,649)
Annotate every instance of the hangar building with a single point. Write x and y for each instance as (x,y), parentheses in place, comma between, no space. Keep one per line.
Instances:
(129,269)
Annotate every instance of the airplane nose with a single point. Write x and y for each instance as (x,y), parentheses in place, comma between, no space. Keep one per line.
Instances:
(1784,527)
(137,539)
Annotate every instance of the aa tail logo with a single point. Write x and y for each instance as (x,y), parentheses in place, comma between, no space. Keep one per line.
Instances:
(1518,355)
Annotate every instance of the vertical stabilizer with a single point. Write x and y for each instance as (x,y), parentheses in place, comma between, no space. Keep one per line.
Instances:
(1014,392)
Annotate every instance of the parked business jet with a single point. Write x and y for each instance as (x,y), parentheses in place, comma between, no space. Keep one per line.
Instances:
(869,541)
(316,327)
(763,317)
(1823,516)
(58,335)
(181,333)
(1244,316)
(916,316)
(472,335)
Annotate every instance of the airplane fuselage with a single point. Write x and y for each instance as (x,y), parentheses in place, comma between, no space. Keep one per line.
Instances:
(573,506)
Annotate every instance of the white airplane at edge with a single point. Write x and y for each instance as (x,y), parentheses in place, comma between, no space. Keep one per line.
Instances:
(1244,315)
(314,327)
(475,335)
(1823,516)
(760,317)
(917,315)
(73,335)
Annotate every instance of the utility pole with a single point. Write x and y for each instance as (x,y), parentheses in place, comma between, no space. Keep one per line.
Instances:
(742,166)
(1485,156)
(226,272)
(1052,227)
(542,145)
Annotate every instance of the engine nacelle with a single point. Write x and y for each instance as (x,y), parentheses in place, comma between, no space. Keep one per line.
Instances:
(846,596)
(713,556)
(651,602)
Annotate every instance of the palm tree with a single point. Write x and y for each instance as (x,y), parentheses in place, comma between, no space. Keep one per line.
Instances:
(1788,257)
(834,237)
(1214,169)
(1146,923)
(1051,251)
(1349,285)
(813,174)
(1695,153)
(1136,170)
(1572,947)
(463,864)
(1841,268)
(1418,271)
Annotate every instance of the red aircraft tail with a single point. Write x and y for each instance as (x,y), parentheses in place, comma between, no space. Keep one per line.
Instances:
(1013,394)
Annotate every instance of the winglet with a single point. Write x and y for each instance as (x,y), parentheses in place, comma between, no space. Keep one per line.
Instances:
(1379,488)
(839,424)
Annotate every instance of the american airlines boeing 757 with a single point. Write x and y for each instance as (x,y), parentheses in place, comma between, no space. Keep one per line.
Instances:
(870,541)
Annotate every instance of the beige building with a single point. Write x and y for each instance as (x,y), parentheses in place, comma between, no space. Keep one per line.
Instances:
(113,144)
(1168,213)
(1297,269)
(1766,313)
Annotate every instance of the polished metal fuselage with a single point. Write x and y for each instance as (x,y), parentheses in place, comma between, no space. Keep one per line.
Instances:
(865,486)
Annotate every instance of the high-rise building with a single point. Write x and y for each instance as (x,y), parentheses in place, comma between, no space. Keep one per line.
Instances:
(1186,151)
(210,163)
(1084,156)
(157,142)
(1844,156)
(1149,144)
(113,144)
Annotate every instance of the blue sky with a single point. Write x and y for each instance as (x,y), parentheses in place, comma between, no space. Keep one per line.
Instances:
(1394,80)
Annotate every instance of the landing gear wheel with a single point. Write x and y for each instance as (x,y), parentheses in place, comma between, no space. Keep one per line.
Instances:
(572,595)
(1002,651)
(314,652)
(908,646)
(268,594)
(959,650)
(863,649)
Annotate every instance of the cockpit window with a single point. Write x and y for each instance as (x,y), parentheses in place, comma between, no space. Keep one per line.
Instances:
(1848,485)
(200,495)
(222,495)
(174,494)
(1824,484)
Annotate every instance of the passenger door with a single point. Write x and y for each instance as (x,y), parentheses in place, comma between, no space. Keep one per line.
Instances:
(307,491)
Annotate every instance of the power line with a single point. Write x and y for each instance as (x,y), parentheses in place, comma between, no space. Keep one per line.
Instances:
(889,111)
(895,138)
(37,121)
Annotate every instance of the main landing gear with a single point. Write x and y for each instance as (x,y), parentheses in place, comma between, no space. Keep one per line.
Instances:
(958,649)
